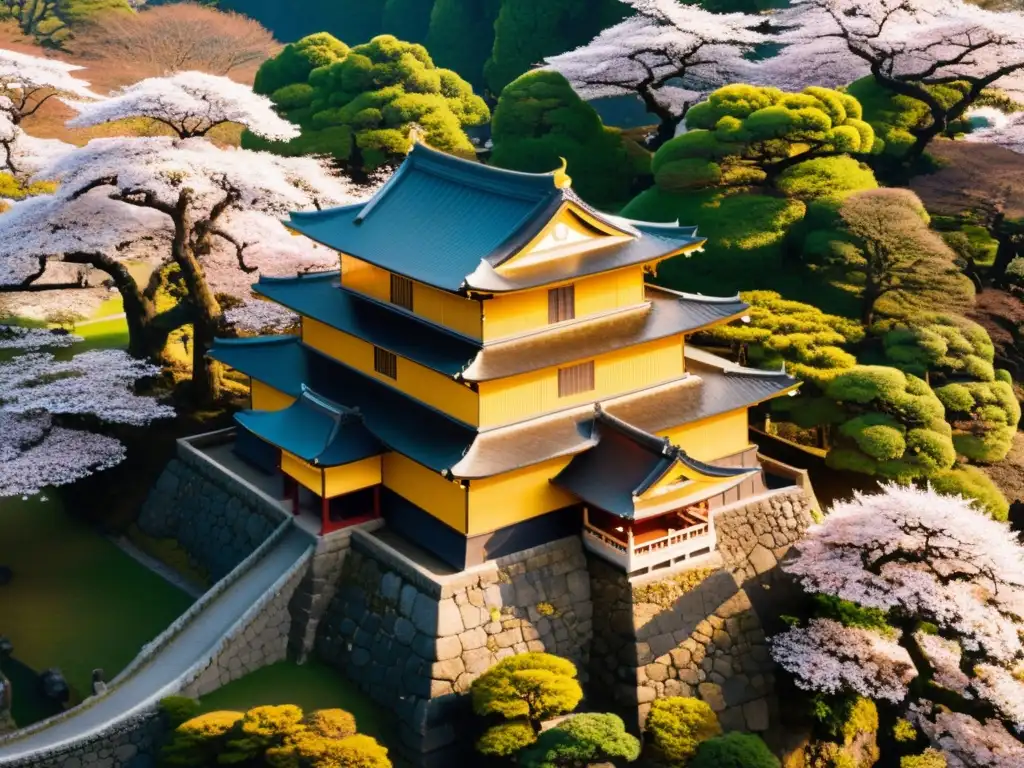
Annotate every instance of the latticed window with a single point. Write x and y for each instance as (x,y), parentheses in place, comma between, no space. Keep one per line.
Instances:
(385,363)
(576,379)
(401,291)
(561,304)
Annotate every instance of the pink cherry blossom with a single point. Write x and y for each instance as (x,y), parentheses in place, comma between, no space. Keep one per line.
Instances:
(666,52)
(190,103)
(826,656)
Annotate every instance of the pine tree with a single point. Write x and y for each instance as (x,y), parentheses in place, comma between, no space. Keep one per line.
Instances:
(408,19)
(461,36)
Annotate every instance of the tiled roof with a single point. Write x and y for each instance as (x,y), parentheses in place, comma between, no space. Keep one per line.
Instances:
(320,297)
(316,430)
(666,313)
(625,463)
(448,222)
(439,442)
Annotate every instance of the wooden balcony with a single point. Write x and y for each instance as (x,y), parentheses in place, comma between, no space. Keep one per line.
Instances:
(649,544)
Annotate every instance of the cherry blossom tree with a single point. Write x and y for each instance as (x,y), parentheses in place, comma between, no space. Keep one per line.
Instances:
(907,46)
(214,212)
(189,103)
(207,198)
(667,53)
(1005,130)
(950,584)
(48,407)
(27,82)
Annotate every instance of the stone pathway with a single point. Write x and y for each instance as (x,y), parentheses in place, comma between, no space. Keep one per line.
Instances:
(159,676)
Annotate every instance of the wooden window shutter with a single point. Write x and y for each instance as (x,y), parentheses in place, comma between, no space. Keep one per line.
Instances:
(561,304)
(401,291)
(576,379)
(385,363)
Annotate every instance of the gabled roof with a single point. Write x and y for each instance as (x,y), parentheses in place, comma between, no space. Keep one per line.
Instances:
(626,463)
(448,223)
(443,444)
(315,429)
(399,422)
(321,297)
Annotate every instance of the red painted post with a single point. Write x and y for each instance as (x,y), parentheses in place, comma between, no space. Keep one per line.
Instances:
(325,514)
(376,501)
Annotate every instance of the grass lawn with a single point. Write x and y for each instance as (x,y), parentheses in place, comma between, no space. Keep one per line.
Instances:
(311,686)
(76,601)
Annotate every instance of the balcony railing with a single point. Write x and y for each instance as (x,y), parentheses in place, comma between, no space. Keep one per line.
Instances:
(676,546)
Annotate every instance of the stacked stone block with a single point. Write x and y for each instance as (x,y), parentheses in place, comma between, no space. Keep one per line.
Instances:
(696,631)
(415,642)
(218,523)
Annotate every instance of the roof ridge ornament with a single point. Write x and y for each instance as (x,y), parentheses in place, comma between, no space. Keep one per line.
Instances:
(417,136)
(562,179)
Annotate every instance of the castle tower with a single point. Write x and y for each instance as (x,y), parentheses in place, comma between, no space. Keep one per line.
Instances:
(489,370)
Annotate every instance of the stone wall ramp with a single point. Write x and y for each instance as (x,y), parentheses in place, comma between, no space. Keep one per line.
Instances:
(164,673)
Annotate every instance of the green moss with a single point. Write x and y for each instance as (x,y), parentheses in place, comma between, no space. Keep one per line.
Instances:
(985,415)
(546,609)
(665,592)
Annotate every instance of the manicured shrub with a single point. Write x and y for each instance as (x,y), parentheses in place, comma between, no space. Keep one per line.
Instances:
(939,344)
(582,740)
(984,415)
(540,119)
(676,726)
(277,736)
(178,709)
(826,177)
(506,739)
(358,104)
(742,131)
(930,758)
(734,750)
(971,483)
(528,686)
(893,426)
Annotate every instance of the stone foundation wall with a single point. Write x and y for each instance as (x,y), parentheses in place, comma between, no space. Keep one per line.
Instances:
(415,641)
(262,641)
(218,525)
(129,744)
(318,587)
(699,629)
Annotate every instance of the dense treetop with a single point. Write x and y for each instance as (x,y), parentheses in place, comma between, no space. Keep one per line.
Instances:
(358,104)
(540,120)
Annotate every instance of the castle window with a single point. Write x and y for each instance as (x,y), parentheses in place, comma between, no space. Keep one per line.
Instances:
(401,291)
(385,363)
(561,304)
(576,379)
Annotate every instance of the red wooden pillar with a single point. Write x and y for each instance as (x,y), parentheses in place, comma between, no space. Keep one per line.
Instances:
(376,501)
(325,515)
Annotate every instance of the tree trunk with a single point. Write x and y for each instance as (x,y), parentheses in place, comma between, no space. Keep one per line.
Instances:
(139,310)
(1005,253)
(205,372)
(668,121)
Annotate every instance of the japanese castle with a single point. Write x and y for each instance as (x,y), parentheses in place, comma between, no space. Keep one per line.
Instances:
(489,371)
